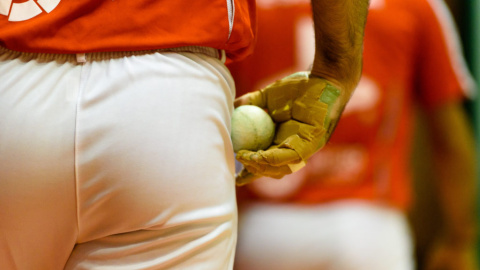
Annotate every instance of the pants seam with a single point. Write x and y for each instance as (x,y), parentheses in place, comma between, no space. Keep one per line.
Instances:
(81,84)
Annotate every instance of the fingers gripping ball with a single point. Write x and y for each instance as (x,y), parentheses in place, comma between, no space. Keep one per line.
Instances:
(301,105)
(252,128)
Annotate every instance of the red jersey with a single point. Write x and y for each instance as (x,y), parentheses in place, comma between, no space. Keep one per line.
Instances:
(80,26)
(411,55)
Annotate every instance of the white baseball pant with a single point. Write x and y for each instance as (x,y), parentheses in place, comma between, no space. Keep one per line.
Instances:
(116,163)
(344,235)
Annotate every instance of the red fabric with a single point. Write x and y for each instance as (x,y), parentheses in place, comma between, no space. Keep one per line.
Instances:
(406,60)
(95,25)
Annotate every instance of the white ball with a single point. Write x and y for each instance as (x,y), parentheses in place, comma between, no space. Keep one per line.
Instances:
(252,128)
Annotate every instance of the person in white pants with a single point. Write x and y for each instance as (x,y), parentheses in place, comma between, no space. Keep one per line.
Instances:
(115,149)
(89,163)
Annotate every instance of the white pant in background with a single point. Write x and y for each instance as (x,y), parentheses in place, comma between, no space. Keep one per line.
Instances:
(348,235)
(116,164)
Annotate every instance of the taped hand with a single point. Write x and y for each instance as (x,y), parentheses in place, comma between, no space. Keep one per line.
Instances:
(301,106)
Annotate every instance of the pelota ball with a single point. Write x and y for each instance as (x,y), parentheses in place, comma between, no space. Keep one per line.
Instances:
(252,128)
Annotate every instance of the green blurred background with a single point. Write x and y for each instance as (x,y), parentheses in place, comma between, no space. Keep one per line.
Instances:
(469,22)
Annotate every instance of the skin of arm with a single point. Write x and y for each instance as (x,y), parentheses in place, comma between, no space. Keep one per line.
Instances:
(456,187)
(339,30)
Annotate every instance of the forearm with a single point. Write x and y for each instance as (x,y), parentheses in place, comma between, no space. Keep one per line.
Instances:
(456,178)
(339,30)
(457,198)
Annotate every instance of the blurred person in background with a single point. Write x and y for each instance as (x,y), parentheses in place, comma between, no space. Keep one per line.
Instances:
(347,209)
